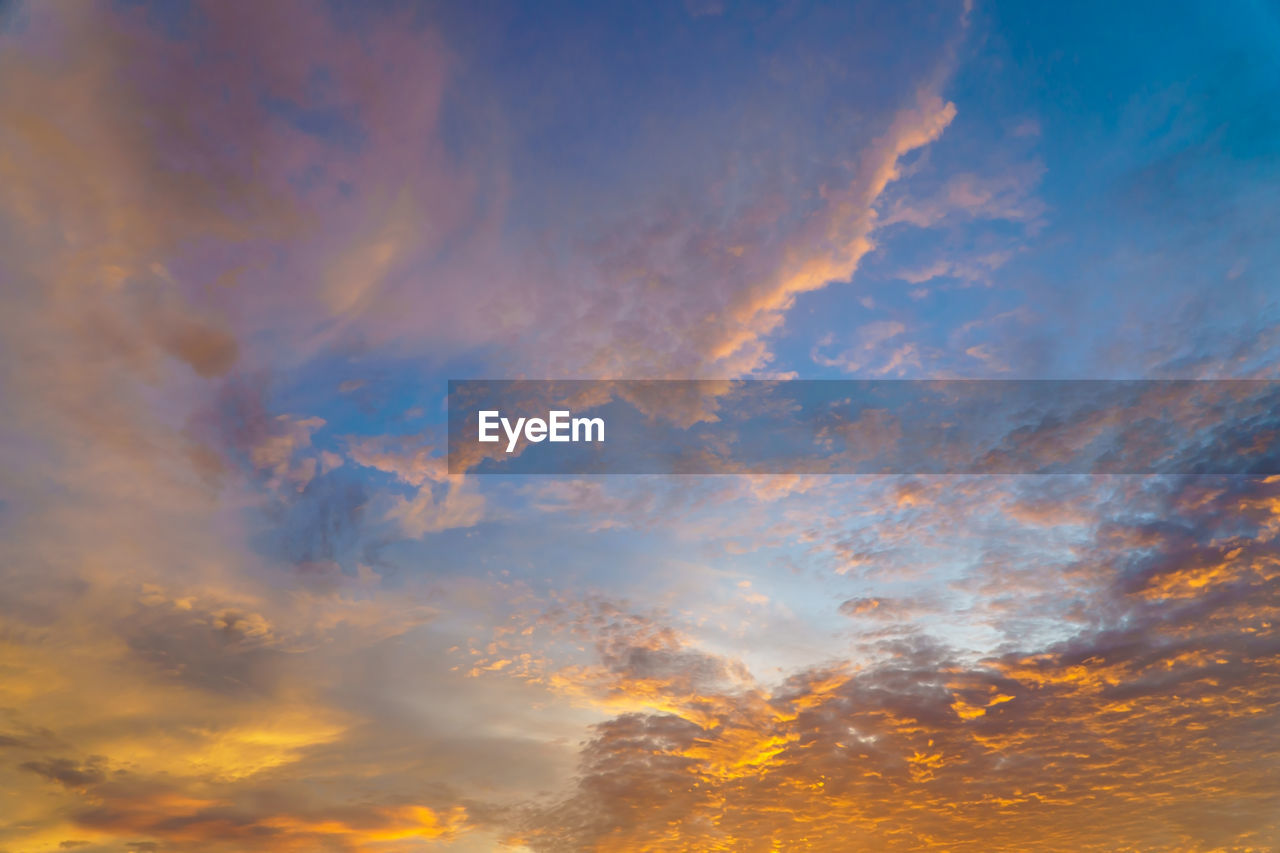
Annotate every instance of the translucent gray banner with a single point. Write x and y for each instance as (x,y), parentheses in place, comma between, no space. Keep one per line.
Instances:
(864,427)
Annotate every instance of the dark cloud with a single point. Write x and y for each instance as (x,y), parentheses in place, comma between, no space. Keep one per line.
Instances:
(222,650)
(70,774)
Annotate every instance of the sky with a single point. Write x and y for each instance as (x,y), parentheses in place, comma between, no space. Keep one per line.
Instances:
(245,606)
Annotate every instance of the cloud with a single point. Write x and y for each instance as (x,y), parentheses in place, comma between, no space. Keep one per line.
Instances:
(441,501)
(220,632)
(1007,196)
(66,772)
(1142,724)
(428,513)
(875,349)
